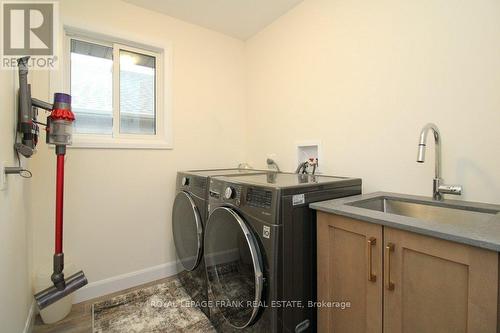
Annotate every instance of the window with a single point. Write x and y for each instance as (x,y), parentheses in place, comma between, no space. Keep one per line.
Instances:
(137,93)
(91,87)
(116,93)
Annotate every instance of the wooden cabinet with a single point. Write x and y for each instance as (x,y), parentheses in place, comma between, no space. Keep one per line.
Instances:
(438,286)
(408,282)
(350,270)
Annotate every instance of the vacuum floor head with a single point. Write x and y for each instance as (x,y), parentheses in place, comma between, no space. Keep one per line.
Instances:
(51,295)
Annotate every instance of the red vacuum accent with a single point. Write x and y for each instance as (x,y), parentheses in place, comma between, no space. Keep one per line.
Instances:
(59,203)
(65,114)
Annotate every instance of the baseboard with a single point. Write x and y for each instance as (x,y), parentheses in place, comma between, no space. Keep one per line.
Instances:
(125,281)
(28,326)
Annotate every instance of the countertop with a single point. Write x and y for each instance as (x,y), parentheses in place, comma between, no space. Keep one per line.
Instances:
(482,233)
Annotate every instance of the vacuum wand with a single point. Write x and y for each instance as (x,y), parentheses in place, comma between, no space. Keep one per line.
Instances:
(58,276)
(59,133)
(60,151)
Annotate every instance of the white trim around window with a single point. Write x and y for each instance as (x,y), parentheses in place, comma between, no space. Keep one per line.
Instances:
(162,139)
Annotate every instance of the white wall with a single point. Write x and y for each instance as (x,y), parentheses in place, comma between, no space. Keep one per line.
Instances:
(15,233)
(118,202)
(363,77)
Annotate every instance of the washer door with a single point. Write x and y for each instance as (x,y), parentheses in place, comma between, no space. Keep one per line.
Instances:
(187,230)
(234,267)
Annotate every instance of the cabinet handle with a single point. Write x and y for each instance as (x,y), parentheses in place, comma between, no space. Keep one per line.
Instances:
(387,264)
(371,242)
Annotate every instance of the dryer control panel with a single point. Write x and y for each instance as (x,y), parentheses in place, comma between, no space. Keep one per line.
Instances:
(193,184)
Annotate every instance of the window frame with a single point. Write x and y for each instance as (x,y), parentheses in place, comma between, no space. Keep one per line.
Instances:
(162,137)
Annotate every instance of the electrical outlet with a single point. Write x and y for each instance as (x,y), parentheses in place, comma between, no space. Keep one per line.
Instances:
(3,177)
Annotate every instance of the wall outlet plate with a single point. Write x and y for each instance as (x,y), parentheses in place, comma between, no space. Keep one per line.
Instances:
(3,177)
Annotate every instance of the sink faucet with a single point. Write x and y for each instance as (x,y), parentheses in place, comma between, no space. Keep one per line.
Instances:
(438,188)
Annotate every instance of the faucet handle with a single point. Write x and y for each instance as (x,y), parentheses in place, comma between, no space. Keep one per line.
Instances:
(450,189)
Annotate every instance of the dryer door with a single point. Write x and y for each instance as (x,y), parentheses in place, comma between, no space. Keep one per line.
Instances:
(234,267)
(187,230)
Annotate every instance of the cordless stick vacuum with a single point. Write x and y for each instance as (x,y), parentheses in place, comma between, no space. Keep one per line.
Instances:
(59,133)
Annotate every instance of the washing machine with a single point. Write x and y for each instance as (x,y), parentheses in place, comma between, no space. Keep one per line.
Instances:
(260,249)
(189,215)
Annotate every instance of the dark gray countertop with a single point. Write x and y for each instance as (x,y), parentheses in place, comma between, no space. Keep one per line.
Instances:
(481,233)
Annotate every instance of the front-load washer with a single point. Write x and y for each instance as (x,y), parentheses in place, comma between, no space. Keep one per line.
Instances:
(260,249)
(189,215)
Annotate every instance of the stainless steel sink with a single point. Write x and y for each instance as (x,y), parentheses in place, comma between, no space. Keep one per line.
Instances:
(435,212)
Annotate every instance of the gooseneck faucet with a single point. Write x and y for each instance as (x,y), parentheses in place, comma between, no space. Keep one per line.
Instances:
(438,188)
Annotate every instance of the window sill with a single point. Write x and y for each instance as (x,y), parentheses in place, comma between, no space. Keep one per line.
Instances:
(79,143)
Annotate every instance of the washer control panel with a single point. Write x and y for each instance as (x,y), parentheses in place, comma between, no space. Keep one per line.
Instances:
(257,201)
(229,193)
(233,193)
(260,198)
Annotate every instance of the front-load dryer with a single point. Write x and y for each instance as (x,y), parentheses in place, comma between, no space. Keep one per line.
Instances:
(189,215)
(260,249)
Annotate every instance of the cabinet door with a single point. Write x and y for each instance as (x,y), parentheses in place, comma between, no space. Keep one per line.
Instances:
(433,285)
(349,270)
